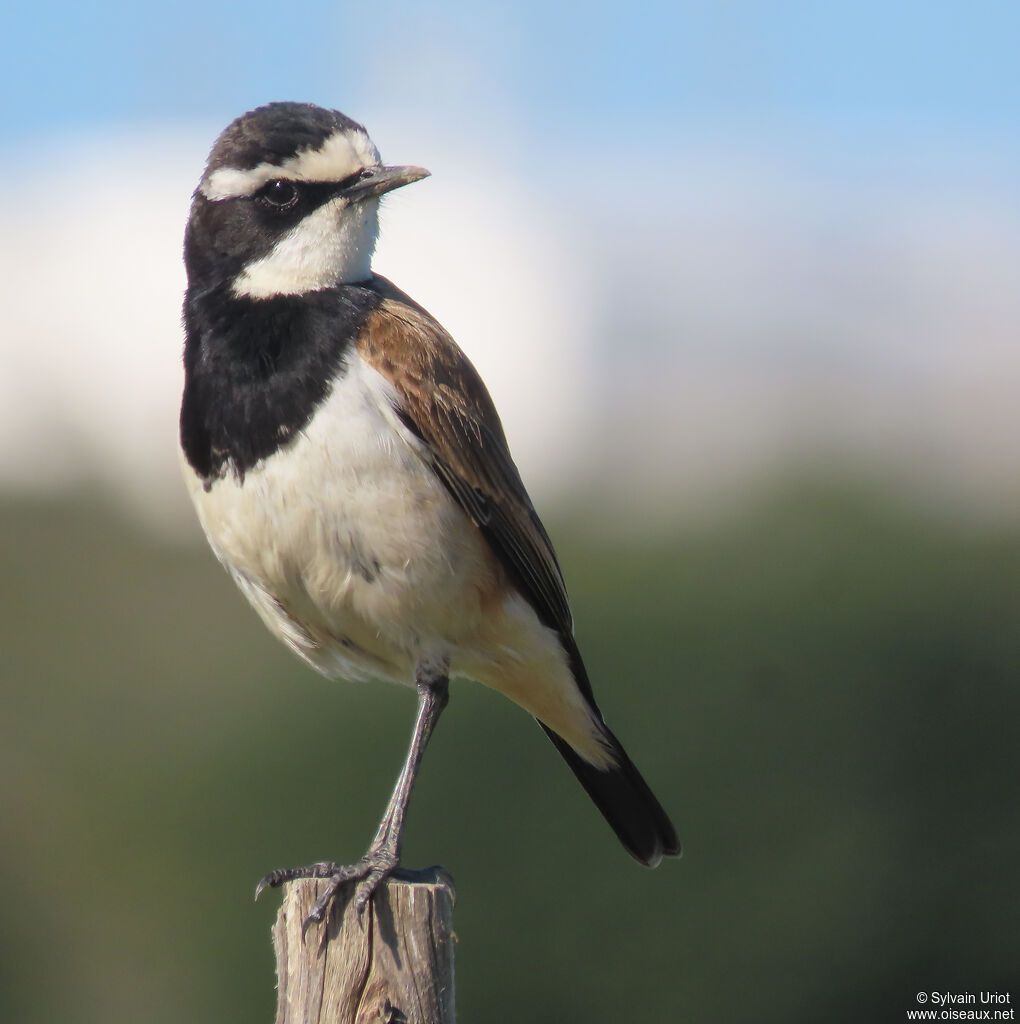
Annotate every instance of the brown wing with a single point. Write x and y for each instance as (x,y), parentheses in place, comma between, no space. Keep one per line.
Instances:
(444,402)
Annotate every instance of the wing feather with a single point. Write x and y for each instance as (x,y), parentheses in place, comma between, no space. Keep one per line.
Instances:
(444,402)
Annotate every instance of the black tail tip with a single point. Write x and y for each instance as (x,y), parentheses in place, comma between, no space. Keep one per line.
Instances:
(626,802)
(658,839)
(668,845)
(648,836)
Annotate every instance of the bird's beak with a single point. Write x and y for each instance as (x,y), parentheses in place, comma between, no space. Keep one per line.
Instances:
(383,179)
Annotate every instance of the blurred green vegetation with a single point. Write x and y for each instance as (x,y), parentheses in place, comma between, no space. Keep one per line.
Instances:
(822,690)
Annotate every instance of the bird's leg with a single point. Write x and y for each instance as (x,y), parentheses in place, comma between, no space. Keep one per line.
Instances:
(384,853)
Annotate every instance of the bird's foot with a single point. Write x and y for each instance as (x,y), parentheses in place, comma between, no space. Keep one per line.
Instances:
(369,872)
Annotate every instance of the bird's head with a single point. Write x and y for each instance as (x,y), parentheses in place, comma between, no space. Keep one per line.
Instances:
(288,203)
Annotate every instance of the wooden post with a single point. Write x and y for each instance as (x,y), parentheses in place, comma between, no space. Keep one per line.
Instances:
(395,966)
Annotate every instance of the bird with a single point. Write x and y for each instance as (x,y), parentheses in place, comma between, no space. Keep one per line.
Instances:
(350,471)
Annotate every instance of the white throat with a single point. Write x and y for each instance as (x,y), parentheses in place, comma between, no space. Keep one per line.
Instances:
(331,246)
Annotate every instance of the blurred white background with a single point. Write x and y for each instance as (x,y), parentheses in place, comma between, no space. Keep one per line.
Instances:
(688,249)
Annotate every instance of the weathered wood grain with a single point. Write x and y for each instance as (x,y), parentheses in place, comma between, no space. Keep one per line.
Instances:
(394,966)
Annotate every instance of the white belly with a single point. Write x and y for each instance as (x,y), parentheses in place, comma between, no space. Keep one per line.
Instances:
(354,554)
(348,545)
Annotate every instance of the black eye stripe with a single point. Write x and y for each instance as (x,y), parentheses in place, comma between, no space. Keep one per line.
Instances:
(353,179)
(283,199)
(281,190)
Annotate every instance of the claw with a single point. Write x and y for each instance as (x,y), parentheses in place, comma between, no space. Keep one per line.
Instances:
(368,872)
(323,869)
(270,881)
(367,886)
(321,905)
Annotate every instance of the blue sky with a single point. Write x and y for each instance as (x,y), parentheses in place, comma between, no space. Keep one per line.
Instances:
(848,74)
(734,230)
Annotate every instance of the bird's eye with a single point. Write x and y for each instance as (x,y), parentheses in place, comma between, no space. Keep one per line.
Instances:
(278,194)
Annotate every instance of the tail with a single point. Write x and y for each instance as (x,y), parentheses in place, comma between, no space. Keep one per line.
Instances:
(619,792)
